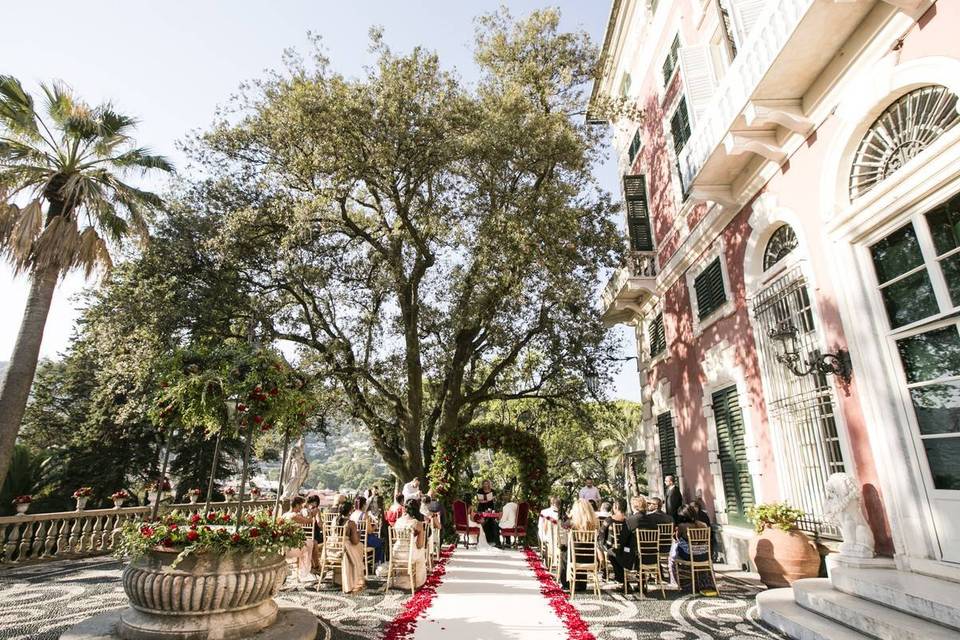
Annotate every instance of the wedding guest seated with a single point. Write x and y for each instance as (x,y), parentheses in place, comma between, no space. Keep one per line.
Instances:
(609,547)
(549,514)
(508,515)
(395,510)
(353,568)
(411,519)
(680,550)
(434,506)
(411,490)
(305,555)
(312,510)
(582,518)
(655,512)
(604,511)
(363,519)
(626,545)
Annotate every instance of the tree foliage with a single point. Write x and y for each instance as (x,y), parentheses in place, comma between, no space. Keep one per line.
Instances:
(432,245)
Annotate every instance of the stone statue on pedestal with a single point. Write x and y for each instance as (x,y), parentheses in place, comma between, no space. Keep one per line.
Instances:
(297,469)
(843,505)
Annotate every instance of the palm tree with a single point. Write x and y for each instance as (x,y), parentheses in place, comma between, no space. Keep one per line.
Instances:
(68,164)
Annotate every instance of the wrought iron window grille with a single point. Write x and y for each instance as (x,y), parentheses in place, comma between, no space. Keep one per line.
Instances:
(838,364)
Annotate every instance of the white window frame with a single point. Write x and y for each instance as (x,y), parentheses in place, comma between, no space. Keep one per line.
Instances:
(728,307)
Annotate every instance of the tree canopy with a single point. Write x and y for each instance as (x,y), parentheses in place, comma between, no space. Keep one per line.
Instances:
(432,245)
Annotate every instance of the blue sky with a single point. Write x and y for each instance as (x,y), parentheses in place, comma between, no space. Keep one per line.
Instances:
(172,63)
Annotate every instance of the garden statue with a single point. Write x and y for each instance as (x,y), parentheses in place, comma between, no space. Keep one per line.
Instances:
(297,469)
(843,506)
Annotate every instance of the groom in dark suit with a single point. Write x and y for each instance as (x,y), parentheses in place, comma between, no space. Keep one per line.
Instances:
(674,499)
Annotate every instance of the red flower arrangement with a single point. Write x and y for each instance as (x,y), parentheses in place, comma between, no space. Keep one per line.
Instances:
(23,500)
(577,629)
(162,485)
(120,495)
(229,491)
(194,492)
(83,492)
(403,626)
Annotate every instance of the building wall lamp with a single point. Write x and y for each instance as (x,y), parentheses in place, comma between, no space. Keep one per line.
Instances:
(786,334)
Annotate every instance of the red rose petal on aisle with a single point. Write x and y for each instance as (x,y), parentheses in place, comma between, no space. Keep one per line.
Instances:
(577,629)
(402,626)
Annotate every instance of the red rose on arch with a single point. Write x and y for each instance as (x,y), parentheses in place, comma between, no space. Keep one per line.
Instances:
(192,535)
(235,538)
(254,532)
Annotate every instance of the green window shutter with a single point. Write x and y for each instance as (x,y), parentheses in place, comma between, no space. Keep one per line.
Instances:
(670,62)
(658,338)
(635,145)
(737,484)
(638,216)
(680,126)
(668,444)
(708,287)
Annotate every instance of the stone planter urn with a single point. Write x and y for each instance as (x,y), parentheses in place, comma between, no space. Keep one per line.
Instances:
(207,595)
(22,508)
(118,502)
(193,498)
(784,556)
(82,503)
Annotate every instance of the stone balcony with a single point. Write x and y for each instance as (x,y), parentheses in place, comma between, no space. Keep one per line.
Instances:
(630,287)
(763,99)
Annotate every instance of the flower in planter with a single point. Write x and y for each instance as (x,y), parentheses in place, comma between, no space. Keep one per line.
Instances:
(23,500)
(120,495)
(83,492)
(229,492)
(194,492)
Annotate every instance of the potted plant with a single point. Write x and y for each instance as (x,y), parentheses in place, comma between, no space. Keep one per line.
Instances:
(81,495)
(230,494)
(254,492)
(193,495)
(243,563)
(155,490)
(119,497)
(781,552)
(22,503)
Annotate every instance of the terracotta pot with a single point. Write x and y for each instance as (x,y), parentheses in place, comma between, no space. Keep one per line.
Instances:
(784,556)
(206,595)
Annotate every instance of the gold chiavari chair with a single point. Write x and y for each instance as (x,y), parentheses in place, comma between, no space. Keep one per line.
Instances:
(555,551)
(582,559)
(369,553)
(648,562)
(666,541)
(332,556)
(436,535)
(401,562)
(698,539)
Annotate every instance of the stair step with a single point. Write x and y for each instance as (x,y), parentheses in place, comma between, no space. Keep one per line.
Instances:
(778,609)
(923,596)
(873,619)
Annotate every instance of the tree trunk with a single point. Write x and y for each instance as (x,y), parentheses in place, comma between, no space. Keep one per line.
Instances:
(15,389)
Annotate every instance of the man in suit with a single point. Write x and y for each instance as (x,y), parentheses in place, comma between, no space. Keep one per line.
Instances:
(626,552)
(674,497)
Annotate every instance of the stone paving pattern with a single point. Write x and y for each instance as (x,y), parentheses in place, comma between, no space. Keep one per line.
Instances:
(41,601)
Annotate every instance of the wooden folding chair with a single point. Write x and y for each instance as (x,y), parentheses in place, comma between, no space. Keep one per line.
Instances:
(556,553)
(698,539)
(666,541)
(402,546)
(648,562)
(614,543)
(332,556)
(582,559)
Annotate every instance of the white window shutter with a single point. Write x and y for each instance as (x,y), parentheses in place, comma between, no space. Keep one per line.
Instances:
(699,79)
(745,14)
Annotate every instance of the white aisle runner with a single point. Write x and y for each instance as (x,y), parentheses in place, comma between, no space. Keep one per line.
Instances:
(489,595)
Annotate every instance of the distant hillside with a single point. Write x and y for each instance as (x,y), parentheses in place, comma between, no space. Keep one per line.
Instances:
(345,460)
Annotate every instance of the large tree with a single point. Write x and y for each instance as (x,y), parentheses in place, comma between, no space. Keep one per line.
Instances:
(69,160)
(433,245)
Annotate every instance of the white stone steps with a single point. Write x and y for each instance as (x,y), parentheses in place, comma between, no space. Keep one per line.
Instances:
(922,596)
(876,620)
(778,609)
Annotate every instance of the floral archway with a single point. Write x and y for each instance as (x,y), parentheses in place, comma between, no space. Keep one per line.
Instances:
(452,455)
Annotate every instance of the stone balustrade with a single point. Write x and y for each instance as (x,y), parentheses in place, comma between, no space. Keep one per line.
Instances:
(47,536)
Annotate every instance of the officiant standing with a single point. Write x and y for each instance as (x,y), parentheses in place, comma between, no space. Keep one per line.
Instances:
(485,503)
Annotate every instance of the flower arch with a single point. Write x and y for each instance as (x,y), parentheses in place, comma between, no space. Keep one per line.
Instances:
(452,454)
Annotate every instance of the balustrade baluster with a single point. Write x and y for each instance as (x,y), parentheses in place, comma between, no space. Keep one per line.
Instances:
(11,547)
(39,539)
(63,540)
(86,535)
(73,546)
(26,541)
(53,527)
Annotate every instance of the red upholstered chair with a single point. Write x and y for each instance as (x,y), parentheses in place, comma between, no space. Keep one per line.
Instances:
(462,523)
(519,532)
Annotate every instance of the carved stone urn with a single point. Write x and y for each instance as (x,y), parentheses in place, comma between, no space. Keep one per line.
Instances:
(206,596)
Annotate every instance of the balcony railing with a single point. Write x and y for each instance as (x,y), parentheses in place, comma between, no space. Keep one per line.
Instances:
(631,282)
(48,536)
(767,39)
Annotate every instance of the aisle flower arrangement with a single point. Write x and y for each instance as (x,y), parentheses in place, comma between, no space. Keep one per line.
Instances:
(405,623)
(577,629)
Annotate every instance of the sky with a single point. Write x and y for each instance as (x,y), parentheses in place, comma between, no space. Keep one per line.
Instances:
(170,64)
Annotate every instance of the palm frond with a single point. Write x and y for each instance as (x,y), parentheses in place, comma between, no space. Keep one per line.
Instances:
(142,158)
(16,109)
(113,124)
(17,152)
(57,244)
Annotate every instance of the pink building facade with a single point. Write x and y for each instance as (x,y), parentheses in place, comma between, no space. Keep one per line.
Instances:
(793,218)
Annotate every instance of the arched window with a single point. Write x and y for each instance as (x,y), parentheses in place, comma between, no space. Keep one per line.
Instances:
(781,243)
(907,127)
